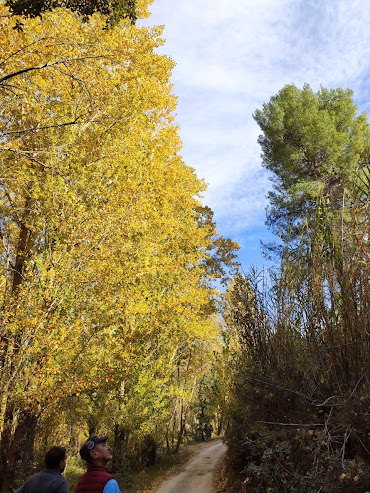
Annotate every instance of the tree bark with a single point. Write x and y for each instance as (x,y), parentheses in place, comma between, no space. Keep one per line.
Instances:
(148,451)
(120,437)
(17,427)
(23,247)
(16,458)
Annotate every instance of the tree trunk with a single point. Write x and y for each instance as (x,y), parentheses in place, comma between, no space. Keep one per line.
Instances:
(17,426)
(182,428)
(220,426)
(7,361)
(16,456)
(148,452)
(120,437)
(24,236)
(91,422)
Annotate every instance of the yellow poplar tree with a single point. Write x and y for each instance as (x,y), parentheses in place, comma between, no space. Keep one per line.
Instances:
(104,259)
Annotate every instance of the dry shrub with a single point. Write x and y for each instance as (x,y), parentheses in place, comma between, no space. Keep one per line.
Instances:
(300,414)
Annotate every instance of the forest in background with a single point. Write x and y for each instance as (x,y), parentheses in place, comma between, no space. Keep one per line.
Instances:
(110,320)
(108,257)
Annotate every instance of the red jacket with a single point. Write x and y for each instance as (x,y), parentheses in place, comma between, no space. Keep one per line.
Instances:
(94,480)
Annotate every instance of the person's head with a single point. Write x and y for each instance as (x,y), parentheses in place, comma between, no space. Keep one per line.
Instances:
(56,458)
(96,451)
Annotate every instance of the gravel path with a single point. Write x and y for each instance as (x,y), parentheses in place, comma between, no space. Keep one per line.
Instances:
(197,475)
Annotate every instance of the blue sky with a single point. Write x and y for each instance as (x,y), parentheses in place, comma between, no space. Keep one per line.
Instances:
(231,57)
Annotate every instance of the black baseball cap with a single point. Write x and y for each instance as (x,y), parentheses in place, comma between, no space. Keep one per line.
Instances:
(89,445)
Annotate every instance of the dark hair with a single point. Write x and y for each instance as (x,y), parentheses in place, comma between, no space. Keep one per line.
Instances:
(54,456)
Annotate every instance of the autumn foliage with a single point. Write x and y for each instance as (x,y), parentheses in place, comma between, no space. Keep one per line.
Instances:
(106,249)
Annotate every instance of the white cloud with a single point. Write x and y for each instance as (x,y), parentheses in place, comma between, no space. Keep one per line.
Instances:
(233,56)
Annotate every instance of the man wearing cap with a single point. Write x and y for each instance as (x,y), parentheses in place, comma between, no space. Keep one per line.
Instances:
(50,480)
(97,478)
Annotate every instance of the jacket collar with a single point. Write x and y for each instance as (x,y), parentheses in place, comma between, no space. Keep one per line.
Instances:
(96,468)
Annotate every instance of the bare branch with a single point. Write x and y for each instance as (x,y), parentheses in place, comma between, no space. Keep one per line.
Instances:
(45,127)
(23,48)
(45,65)
(18,220)
(358,383)
(34,160)
(325,403)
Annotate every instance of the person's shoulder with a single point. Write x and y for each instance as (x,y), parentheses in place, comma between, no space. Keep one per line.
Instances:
(53,473)
(28,482)
(111,487)
(33,477)
(54,476)
(62,479)
(63,486)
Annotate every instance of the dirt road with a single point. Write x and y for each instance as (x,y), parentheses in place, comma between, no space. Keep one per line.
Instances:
(196,476)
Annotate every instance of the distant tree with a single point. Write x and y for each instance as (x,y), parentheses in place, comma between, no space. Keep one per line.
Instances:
(313,143)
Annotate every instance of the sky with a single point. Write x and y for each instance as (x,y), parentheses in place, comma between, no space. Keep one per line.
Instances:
(231,57)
